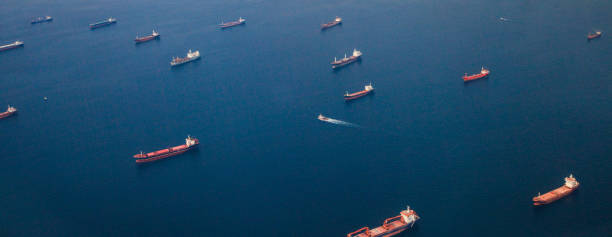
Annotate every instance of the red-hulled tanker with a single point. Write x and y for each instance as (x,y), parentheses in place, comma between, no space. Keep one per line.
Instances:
(168,152)
(391,226)
(483,74)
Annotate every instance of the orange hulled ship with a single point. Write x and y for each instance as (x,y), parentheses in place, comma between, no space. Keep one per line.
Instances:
(594,35)
(391,226)
(570,185)
(168,152)
(483,73)
(10,111)
(367,89)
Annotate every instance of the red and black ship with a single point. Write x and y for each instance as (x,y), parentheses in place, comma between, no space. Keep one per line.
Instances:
(331,24)
(367,90)
(150,37)
(190,143)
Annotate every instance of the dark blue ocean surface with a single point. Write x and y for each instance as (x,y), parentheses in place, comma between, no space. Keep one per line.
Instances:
(467,157)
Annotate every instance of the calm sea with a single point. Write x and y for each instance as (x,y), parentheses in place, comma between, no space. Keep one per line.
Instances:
(467,157)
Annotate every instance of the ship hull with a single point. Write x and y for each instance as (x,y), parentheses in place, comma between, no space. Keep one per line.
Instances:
(7,114)
(356,95)
(330,25)
(146,39)
(165,155)
(475,77)
(173,64)
(352,59)
(553,196)
(231,24)
(99,25)
(9,47)
(41,21)
(591,37)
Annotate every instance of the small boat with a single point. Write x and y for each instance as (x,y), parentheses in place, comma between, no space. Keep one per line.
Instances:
(570,185)
(391,226)
(594,35)
(345,61)
(16,44)
(240,21)
(483,73)
(367,90)
(10,111)
(168,152)
(333,23)
(41,20)
(191,56)
(323,118)
(153,36)
(103,23)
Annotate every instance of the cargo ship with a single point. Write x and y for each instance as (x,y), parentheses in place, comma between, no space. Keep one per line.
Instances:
(10,111)
(153,36)
(331,24)
(483,73)
(168,152)
(191,56)
(16,44)
(391,226)
(343,62)
(367,90)
(240,21)
(570,185)
(594,35)
(41,19)
(103,23)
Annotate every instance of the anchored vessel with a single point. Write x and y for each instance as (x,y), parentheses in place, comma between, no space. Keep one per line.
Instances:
(103,23)
(391,226)
(333,23)
(594,35)
(168,152)
(342,62)
(16,44)
(483,73)
(240,21)
(41,19)
(352,96)
(153,36)
(570,185)
(10,111)
(190,57)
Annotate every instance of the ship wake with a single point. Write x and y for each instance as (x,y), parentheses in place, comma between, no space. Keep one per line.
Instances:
(340,122)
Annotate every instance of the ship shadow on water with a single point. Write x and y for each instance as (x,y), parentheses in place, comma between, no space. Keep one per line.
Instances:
(338,69)
(155,41)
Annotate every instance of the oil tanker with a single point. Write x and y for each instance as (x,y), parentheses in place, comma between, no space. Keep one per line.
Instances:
(16,44)
(240,21)
(10,111)
(168,152)
(153,36)
(483,74)
(391,226)
(367,90)
(41,20)
(570,185)
(345,61)
(191,56)
(103,23)
(594,35)
(331,24)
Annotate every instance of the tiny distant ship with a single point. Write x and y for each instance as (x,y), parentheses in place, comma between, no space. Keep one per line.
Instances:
(150,37)
(41,20)
(391,226)
(103,23)
(323,118)
(345,61)
(367,90)
(190,143)
(570,185)
(240,21)
(594,35)
(16,44)
(483,73)
(191,56)
(10,111)
(331,24)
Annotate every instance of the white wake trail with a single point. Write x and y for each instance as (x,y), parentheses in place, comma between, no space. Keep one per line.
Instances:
(336,121)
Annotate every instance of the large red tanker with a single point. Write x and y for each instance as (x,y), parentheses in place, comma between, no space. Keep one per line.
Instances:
(168,152)
(391,226)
